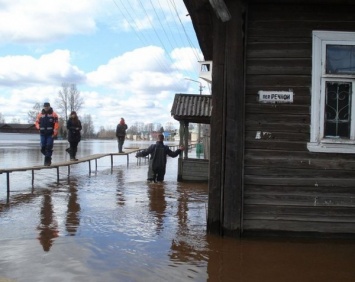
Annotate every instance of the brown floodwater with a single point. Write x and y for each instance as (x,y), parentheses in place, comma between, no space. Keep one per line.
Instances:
(112,225)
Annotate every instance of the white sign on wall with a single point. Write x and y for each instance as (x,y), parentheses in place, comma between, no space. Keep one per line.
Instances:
(275,96)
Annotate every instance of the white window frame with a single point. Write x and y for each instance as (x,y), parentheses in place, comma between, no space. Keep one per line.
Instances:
(317,141)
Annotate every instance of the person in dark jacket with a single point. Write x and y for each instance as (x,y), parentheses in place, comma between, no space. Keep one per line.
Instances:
(47,124)
(74,136)
(158,153)
(121,134)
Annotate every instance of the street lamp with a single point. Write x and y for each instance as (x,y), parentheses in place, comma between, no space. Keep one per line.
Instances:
(198,125)
(197,82)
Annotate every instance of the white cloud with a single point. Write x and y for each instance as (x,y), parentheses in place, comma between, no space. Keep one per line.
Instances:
(45,43)
(42,20)
(52,68)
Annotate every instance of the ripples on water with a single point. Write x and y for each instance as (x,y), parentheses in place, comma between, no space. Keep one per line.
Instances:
(114,226)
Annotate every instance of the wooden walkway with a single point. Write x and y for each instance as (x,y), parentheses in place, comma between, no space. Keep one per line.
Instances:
(127,152)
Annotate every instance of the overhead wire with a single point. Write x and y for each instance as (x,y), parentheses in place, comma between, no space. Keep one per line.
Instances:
(135,28)
(128,15)
(174,14)
(183,27)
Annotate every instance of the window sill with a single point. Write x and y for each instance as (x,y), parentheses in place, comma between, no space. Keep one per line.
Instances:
(331,148)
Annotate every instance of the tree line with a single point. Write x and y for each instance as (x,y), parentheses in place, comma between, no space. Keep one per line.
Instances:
(69,99)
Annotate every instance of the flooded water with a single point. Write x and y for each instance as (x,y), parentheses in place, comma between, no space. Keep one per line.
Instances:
(111,225)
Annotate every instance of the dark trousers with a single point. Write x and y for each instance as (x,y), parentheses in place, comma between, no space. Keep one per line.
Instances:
(120,140)
(47,145)
(159,174)
(73,148)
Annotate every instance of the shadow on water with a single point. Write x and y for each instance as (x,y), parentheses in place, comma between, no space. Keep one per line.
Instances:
(114,226)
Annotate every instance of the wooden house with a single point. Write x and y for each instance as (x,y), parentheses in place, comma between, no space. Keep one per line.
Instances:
(282,157)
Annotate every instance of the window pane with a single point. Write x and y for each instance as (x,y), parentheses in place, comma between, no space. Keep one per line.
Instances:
(337,109)
(340,59)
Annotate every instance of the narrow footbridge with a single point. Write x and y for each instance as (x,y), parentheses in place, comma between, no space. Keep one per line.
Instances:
(67,164)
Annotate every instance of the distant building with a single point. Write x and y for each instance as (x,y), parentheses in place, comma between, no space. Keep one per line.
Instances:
(17,128)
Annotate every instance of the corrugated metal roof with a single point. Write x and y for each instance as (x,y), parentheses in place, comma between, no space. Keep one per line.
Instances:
(192,108)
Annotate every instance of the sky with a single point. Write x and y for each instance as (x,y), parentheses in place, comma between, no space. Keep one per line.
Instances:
(127,58)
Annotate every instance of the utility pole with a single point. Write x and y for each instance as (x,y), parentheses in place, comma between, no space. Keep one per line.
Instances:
(198,125)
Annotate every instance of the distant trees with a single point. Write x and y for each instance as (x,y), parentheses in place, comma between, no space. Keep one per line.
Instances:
(2,118)
(105,133)
(68,100)
(32,115)
(169,126)
(15,120)
(88,127)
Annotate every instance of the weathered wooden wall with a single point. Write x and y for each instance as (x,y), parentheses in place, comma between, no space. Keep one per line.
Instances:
(286,187)
(195,169)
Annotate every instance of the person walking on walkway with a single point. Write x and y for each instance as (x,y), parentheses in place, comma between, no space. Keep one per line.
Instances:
(73,127)
(121,134)
(47,124)
(157,162)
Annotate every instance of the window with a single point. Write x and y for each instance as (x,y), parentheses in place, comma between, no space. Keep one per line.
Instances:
(333,92)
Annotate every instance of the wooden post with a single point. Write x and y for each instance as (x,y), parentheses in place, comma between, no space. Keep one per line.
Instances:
(33,177)
(57,174)
(234,121)
(8,185)
(186,137)
(214,220)
(181,142)
(227,125)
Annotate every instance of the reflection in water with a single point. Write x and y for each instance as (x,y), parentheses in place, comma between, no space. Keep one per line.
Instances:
(186,246)
(157,203)
(48,227)
(73,212)
(16,200)
(120,187)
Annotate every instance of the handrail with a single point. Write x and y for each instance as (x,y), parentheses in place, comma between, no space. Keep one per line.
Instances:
(88,159)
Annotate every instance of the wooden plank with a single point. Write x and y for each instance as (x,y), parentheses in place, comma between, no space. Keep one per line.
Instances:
(299,200)
(297,181)
(280,80)
(282,126)
(272,134)
(297,172)
(275,145)
(319,213)
(299,217)
(329,191)
(300,13)
(298,226)
(280,49)
(299,160)
(262,118)
(298,66)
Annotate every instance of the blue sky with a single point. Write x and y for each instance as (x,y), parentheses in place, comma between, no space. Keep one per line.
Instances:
(127,58)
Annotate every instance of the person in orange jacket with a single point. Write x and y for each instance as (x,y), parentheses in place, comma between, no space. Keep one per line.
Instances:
(47,124)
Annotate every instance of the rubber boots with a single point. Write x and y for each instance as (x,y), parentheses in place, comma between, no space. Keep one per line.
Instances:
(72,153)
(47,161)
